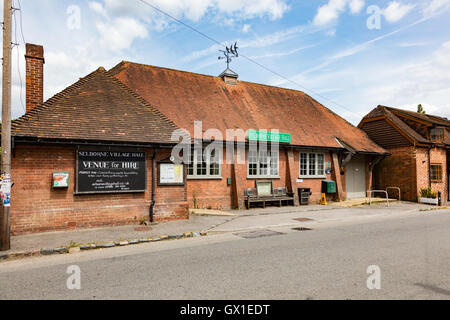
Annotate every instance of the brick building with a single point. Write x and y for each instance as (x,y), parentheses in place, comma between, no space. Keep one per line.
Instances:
(419,145)
(126,117)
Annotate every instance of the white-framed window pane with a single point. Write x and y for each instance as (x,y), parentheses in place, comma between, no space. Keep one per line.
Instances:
(191,164)
(274,163)
(201,164)
(214,163)
(252,163)
(198,166)
(263,163)
(312,164)
(320,164)
(303,164)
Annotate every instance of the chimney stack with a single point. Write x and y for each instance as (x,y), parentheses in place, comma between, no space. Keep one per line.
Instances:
(34,58)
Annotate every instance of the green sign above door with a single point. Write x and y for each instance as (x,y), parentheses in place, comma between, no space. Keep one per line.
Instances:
(254,135)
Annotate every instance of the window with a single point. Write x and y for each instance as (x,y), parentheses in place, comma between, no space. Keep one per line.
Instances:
(312,165)
(204,167)
(263,163)
(436,172)
(437,134)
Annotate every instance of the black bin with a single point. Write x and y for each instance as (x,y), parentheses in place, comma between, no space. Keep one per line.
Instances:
(303,195)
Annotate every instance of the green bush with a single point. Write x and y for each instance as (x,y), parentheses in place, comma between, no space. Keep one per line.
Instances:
(428,193)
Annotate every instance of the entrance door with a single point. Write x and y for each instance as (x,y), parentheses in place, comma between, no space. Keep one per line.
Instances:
(355,178)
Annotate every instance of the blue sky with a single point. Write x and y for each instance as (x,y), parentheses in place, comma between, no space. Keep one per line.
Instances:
(333,50)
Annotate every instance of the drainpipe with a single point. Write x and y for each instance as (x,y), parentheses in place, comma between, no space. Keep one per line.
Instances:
(429,167)
(152,205)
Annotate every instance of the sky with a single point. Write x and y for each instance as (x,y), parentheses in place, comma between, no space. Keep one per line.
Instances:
(350,55)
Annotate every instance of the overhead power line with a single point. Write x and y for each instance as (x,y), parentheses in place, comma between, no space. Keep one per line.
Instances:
(244,56)
(17,46)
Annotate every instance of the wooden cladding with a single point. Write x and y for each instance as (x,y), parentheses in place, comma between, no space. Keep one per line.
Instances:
(382,133)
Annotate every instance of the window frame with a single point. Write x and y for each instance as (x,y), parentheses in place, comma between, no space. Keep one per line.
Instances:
(308,164)
(442,136)
(440,171)
(195,162)
(268,164)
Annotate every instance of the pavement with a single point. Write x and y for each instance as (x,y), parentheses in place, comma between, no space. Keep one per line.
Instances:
(100,235)
(317,217)
(409,249)
(202,221)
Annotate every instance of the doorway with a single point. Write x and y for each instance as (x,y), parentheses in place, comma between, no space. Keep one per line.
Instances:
(355,178)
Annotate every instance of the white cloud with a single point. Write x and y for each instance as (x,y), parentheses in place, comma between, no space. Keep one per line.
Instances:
(396,11)
(197,9)
(400,82)
(330,12)
(257,42)
(350,51)
(98,7)
(120,33)
(356,6)
(427,82)
(331,32)
(252,8)
(283,54)
(435,6)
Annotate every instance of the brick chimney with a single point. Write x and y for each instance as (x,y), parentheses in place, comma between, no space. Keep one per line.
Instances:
(34,58)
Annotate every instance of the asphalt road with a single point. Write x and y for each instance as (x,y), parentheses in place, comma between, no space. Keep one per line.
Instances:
(413,254)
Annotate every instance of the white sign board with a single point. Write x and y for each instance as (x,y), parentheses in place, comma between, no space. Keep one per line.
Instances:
(170,173)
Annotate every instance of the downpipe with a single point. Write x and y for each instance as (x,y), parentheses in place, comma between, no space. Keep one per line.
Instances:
(152,205)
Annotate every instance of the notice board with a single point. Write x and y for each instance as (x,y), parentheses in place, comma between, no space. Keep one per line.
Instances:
(110,172)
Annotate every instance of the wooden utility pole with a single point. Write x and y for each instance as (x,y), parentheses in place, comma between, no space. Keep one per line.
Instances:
(6,122)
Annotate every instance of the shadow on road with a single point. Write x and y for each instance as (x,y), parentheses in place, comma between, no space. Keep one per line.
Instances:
(433,288)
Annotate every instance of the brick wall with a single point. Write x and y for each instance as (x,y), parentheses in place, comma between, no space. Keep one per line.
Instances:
(36,207)
(398,170)
(216,194)
(437,156)
(211,194)
(408,169)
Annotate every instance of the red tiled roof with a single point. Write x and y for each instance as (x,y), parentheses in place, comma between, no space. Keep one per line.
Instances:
(186,97)
(97,107)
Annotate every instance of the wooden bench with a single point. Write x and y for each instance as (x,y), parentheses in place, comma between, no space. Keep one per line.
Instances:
(265,194)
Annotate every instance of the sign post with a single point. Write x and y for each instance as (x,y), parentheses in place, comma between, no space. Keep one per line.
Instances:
(5,232)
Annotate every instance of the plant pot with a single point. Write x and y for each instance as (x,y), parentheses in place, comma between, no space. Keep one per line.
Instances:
(429,201)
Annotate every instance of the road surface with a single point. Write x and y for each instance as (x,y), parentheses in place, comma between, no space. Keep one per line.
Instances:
(411,252)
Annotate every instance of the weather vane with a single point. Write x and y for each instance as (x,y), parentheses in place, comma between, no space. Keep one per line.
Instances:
(230,53)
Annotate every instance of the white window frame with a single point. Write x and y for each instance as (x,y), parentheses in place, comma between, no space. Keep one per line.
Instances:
(208,176)
(309,163)
(269,163)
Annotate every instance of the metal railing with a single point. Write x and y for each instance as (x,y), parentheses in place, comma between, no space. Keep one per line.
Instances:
(378,191)
(399,192)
